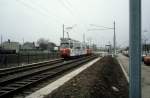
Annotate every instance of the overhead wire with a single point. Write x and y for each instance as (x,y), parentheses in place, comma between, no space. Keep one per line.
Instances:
(75,12)
(35,8)
(44,11)
(96,29)
(66,7)
(48,11)
(68,2)
(101,26)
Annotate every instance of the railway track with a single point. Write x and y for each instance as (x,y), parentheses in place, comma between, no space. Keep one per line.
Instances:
(15,80)
(8,71)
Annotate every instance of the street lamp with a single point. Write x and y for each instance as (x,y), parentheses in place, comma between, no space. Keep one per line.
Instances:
(108,28)
(68,28)
(144,46)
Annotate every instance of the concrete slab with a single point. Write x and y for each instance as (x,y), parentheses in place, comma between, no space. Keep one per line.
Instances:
(145,72)
(59,82)
(124,71)
(124,61)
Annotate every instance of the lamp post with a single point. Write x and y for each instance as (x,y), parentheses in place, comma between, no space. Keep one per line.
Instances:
(114,52)
(114,36)
(63,30)
(68,27)
(144,46)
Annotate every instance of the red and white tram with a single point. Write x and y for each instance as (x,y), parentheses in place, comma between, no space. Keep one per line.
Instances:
(72,48)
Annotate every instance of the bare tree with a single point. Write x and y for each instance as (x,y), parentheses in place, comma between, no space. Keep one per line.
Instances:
(43,43)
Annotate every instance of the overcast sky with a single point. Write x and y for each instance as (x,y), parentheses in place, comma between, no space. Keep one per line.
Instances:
(34,19)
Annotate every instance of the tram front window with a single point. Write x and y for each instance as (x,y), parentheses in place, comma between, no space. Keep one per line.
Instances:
(64,45)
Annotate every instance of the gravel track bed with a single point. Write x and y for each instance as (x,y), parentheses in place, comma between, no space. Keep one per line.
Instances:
(104,79)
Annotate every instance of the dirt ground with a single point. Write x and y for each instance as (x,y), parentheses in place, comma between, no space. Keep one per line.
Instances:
(104,79)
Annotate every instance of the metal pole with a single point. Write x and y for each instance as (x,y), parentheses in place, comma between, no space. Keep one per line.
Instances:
(1,41)
(84,38)
(23,40)
(68,34)
(114,40)
(63,30)
(145,49)
(135,49)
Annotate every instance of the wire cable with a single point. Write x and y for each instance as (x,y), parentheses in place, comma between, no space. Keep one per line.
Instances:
(97,29)
(34,8)
(47,11)
(76,13)
(101,26)
(66,7)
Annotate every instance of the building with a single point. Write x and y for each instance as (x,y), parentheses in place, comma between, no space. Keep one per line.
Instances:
(28,46)
(51,46)
(8,45)
(146,48)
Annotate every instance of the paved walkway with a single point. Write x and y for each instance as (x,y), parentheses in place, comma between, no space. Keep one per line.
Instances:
(124,61)
(145,79)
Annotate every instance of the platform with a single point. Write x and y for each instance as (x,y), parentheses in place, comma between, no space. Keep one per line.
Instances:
(145,72)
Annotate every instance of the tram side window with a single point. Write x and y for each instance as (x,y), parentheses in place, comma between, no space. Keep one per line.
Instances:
(78,47)
(71,45)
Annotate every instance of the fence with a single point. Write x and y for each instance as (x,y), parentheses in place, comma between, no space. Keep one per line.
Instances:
(9,60)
